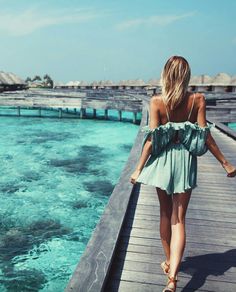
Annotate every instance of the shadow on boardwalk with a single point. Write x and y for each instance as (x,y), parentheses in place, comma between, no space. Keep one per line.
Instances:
(202,266)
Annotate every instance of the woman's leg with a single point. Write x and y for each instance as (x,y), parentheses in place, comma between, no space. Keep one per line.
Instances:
(165,221)
(178,234)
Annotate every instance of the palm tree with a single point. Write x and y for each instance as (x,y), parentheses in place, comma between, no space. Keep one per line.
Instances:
(28,79)
(48,81)
(37,78)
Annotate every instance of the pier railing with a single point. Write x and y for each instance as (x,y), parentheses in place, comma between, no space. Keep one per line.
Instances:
(93,267)
(78,105)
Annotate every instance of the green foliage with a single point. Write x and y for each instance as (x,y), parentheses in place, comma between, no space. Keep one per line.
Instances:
(28,79)
(36,78)
(46,81)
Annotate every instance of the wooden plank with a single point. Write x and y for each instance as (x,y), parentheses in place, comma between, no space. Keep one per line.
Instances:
(157,242)
(199,281)
(130,286)
(154,268)
(151,224)
(192,248)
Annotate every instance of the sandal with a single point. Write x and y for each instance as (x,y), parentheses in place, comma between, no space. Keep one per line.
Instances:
(165,267)
(170,280)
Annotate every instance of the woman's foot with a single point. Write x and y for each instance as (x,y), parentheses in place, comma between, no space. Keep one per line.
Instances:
(165,267)
(171,285)
(229,168)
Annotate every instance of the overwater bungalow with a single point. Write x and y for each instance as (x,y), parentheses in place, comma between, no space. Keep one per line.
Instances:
(221,83)
(11,82)
(233,84)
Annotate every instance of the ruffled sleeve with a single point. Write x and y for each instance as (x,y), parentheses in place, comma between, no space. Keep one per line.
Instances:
(194,137)
(160,138)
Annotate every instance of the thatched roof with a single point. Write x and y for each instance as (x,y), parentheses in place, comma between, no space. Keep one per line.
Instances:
(233,80)
(58,84)
(122,82)
(10,79)
(108,83)
(83,83)
(94,83)
(221,79)
(139,82)
(154,82)
(16,79)
(5,79)
(72,83)
(195,80)
(206,79)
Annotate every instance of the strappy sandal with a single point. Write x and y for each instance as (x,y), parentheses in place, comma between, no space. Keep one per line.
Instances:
(170,280)
(165,267)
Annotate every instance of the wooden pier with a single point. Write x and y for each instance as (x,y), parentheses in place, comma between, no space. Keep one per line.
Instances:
(209,262)
(76,106)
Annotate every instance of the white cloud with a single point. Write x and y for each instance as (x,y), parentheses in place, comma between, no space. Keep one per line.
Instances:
(156,20)
(26,22)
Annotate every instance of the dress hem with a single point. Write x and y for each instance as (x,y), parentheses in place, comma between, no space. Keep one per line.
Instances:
(163,189)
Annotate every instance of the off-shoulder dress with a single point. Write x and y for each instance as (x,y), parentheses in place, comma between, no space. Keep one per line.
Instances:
(172,165)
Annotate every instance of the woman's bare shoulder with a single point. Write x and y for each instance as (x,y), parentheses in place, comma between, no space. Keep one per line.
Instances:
(156,99)
(200,98)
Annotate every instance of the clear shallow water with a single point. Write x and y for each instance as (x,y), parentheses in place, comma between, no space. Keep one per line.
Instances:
(56,178)
(232,126)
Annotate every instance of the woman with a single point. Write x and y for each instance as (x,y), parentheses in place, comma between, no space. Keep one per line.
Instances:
(176,135)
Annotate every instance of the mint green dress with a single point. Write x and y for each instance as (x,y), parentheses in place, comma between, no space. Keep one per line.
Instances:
(172,165)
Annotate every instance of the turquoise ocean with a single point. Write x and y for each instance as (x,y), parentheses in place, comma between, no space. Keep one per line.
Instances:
(232,126)
(56,178)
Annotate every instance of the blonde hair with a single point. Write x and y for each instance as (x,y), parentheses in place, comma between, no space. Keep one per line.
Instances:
(174,80)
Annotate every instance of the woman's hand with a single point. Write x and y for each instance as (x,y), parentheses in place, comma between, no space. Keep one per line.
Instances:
(229,168)
(134,176)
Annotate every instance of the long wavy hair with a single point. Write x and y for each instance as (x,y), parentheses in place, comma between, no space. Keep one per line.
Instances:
(174,80)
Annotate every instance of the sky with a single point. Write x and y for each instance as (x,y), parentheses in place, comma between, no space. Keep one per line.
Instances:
(115,40)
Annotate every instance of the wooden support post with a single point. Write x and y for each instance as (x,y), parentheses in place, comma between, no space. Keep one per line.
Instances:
(67,110)
(40,112)
(18,111)
(106,114)
(120,115)
(60,113)
(94,113)
(82,113)
(134,117)
(75,110)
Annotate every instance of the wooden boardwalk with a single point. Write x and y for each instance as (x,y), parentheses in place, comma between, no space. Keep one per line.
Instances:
(209,262)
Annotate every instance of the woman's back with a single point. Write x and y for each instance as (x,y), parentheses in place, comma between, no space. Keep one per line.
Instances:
(186,111)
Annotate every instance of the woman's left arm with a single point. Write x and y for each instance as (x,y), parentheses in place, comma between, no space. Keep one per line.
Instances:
(147,148)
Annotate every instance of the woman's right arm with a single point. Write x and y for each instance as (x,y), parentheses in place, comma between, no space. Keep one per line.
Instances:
(147,148)
(211,144)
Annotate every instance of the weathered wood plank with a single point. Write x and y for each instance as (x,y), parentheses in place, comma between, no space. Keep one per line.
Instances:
(154,268)
(199,281)
(151,224)
(156,242)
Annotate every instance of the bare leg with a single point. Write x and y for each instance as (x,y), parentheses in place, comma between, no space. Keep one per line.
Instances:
(178,234)
(165,221)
